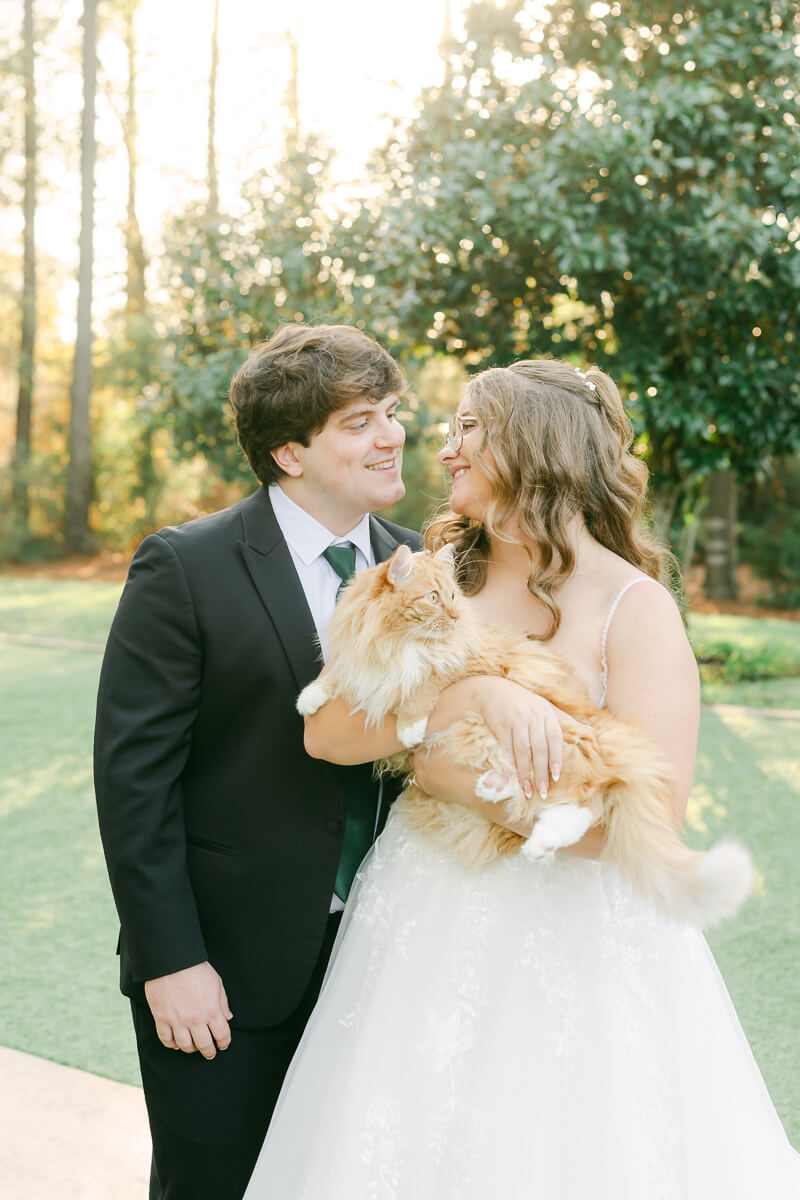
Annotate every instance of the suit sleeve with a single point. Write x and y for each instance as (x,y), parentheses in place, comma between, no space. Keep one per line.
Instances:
(147,704)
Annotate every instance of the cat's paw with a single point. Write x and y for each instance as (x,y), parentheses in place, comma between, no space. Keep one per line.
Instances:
(312,698)
(413,734)
(557,826)
(495,786)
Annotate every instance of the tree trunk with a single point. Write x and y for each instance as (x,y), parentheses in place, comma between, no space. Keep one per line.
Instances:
(22,447)
(293,97)
(79,476)
(213,184)
(720,525)
(135,296)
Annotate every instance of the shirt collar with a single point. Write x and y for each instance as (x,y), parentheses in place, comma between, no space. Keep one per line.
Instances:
(307,537)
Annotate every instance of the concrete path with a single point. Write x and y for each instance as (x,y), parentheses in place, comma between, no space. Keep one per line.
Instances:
(68,1135)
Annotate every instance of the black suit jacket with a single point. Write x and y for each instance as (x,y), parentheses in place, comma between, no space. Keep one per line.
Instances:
(222,837)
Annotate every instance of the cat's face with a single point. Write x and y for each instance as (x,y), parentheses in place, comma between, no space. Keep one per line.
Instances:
(423,593)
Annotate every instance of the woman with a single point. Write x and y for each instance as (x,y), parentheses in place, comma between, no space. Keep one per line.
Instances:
(530,1029)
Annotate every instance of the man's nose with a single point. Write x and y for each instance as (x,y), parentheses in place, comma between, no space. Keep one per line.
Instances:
(391,432)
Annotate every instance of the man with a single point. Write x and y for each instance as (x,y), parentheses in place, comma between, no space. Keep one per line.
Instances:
(229,850)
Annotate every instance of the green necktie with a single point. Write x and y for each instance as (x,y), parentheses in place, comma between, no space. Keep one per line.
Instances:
(359,787)
(343,561)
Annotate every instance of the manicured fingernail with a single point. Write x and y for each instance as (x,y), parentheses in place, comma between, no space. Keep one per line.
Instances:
(543,790)
(556,771)
(527,789)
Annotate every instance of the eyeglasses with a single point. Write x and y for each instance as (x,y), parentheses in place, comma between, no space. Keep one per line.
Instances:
(453,439)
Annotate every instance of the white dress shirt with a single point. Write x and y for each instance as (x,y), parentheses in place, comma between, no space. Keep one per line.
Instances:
(306,540)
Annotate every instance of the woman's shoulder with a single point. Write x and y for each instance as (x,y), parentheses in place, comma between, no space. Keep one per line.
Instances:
(618,580)
(643,616)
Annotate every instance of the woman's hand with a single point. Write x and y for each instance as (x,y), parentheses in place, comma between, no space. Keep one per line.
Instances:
(528,727)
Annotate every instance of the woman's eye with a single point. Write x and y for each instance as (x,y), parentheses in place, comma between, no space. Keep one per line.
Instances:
(433,597)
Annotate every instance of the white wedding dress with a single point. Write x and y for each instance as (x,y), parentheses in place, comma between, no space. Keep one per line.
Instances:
(524,1030)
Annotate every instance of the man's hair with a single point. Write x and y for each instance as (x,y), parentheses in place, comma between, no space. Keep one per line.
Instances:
(292,383)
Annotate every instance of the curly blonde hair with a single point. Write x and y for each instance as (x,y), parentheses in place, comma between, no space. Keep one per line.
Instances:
(553,446)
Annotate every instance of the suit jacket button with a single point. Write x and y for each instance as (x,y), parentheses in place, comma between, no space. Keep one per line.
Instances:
(334,825)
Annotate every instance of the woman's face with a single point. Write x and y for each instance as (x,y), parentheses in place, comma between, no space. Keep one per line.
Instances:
(471,490)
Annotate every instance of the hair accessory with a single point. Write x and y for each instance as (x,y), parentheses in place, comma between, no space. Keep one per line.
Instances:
(582,375)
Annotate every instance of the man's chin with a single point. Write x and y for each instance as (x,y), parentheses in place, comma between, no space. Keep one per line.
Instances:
(390,495)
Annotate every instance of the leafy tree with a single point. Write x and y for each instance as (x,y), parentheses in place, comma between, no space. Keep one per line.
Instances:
(618,183)
(445,256)
(231,281)
(680,206)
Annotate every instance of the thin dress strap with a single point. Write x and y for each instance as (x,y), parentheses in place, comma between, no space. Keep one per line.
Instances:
(606,627)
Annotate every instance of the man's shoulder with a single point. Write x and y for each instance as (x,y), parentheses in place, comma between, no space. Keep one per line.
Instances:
(400,534)
(209,526)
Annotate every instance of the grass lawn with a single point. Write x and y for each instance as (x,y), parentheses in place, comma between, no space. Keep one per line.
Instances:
(58,995)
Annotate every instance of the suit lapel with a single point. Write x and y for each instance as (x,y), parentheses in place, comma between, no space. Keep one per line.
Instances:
(383,544)
(270,565)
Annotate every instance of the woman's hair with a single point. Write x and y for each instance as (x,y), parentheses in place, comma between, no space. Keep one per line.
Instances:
(556,442)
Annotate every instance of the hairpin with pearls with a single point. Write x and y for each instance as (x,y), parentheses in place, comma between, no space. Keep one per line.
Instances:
(582,376)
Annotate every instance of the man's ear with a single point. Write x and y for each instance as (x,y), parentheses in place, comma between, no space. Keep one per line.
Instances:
(288,459)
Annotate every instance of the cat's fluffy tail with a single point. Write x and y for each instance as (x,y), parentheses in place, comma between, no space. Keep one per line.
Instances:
(702,888)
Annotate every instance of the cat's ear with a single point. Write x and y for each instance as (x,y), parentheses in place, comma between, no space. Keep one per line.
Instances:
(399,566)
(447,555)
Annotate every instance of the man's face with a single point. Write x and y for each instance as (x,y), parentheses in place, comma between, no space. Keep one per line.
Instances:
(352,466)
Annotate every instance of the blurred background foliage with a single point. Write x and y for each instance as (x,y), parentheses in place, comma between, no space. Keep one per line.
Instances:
(611,183)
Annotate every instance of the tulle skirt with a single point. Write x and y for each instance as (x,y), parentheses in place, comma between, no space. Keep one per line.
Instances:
(523,1030)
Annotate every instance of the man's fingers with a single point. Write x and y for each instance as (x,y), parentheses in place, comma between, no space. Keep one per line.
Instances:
(223,1003)
(203,1041)
(165,1035)
(184,1040)
(221,1032)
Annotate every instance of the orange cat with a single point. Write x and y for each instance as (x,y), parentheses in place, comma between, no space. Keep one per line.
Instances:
(401,632)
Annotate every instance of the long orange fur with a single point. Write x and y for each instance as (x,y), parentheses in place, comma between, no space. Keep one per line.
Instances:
(401,632)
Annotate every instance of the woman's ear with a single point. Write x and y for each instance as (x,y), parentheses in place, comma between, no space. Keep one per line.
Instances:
(399,566)
(288,459)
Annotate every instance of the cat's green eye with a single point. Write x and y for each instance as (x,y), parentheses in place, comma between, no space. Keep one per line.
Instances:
(433,597)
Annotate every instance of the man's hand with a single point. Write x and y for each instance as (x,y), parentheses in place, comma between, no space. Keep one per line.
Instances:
(190,1010)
